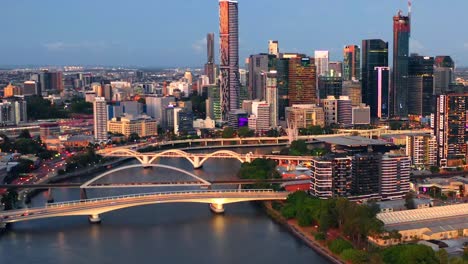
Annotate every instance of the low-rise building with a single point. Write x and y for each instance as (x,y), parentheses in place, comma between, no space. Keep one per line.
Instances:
(442,222)
(144,126)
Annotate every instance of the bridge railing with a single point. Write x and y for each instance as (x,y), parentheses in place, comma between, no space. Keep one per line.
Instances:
(110,198)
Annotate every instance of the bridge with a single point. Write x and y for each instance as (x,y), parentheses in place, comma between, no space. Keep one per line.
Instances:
(197,159)
(148,184)
(264,141)
(94,207)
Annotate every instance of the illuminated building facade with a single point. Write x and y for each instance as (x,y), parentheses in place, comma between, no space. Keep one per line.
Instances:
(229,56)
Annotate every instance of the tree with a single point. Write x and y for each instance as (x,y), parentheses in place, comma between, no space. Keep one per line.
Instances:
(133,137)
(354,256)
(272,133)
(9,199)
(442,255)
(339,245)
(411,254)
(395,125)
(25,134)
(80,106)
(298,148)
(228,132)
(245,132)
(409,201)
(434,169)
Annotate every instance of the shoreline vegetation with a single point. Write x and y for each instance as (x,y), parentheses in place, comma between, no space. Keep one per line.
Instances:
(300,233)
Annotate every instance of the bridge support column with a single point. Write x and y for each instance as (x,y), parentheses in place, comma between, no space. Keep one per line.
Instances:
(50,198)
(83,195)
(217,208)
(196,163)
(94,219)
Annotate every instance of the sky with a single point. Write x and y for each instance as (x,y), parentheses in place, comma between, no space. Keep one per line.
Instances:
(172,33)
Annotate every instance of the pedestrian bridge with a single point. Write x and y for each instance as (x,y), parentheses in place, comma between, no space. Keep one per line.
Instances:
(94,207)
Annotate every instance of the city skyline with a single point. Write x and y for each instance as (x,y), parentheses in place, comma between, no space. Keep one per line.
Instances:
(135,35)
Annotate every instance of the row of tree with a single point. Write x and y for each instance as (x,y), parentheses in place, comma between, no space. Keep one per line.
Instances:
(356,222)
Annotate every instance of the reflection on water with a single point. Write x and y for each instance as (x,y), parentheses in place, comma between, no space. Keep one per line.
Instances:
(160,233)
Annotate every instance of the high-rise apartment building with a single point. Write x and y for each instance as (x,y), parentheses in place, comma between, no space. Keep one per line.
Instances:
(321,61)
(209,66)
(375,54)
(100,119)
(422,149)
(450,122)
(302,81)
(229,56)
(272,97)
(338,111)
(394,176)
(213,103)
(399,91)
(273,48)
(351,63)
(366,175)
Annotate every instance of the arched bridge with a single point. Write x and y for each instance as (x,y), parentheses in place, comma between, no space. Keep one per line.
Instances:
(94,207)
(197,159)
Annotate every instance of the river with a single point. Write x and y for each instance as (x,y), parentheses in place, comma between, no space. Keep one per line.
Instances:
(161,233)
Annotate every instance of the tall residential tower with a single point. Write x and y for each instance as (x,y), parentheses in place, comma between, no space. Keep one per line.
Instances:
(229,56)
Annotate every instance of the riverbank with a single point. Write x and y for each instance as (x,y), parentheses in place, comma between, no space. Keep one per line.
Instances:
(301,233)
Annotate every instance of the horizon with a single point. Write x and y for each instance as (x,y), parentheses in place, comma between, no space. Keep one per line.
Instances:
(133,38)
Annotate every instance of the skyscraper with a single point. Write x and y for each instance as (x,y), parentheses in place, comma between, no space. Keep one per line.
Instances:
(443,74)
(352,63)
(272,97)
(375,54)
(100,118)
(259,65)
(302,81)
(209,66)
(273,47)
(282,83)
(399,91)
(229,56)
(321,61)
(421,100)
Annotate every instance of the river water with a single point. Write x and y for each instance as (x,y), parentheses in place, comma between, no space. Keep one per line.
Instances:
(161,233)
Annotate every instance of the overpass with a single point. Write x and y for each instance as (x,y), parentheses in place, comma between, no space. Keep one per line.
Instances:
(197,159)
(94,207)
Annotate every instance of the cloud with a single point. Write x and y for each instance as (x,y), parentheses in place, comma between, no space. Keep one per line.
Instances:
(465,45)
(64,46)
(416,46)
(199,45)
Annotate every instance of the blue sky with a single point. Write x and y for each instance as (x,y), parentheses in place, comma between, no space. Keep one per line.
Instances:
(172,32)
